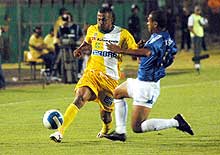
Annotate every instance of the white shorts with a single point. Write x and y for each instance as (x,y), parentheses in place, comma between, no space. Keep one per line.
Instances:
(143,93)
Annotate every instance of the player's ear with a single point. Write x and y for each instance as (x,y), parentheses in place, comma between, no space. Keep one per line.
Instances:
(155,24)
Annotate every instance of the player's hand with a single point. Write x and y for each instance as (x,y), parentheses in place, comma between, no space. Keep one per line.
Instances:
(114,48)
(141,43)
(77,53)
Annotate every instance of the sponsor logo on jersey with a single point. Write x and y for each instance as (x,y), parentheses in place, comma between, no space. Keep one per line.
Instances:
(107,40)
(94,38)
(105,53)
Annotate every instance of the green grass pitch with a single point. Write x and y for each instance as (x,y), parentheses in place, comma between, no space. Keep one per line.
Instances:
(197,97)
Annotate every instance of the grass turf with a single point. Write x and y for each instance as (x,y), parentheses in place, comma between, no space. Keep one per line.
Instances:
(182,91)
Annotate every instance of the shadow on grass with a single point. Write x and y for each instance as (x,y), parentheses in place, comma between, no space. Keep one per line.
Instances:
(77,143)
(25,91)
(180,71)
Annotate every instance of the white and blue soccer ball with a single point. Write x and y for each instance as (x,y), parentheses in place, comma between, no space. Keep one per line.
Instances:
(52,119)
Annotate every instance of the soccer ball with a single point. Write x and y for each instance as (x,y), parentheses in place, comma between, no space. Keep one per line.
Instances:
(52,119)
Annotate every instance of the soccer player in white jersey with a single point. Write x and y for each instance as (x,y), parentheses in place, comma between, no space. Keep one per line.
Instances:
(156,54)
(102,72)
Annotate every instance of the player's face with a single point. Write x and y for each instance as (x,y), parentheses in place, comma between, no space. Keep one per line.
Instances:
(38,32)
(52,33)
(197,10)
(104,21)
(150,23)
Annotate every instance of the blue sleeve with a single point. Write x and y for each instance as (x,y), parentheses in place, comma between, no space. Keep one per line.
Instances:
(155,47)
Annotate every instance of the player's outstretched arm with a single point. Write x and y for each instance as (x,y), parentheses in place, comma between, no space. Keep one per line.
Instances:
(79,51)
(136,52)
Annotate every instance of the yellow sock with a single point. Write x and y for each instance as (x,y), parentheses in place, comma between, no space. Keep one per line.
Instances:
(69,116)
(106,127)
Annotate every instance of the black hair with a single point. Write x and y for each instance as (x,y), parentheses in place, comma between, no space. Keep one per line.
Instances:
(62,10)
(105,10)
(160,17)
(37,28)
(108,10)
(134,6)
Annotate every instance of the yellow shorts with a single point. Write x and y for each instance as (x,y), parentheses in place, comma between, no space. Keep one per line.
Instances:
(102,85)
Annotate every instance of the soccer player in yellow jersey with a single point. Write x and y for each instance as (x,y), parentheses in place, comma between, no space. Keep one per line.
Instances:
(102,72)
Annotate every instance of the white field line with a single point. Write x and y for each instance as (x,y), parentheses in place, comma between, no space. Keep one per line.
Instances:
(190,84)
(31,101)
(163,87)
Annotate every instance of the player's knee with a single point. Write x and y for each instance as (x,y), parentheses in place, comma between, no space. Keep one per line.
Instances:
(136,127)
(82,96)
(79,101)
(117,95)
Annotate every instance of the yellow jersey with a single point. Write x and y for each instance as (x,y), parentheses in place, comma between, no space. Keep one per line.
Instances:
(101,58)
(195,21)
(34,41)
(49,42)
(59,22)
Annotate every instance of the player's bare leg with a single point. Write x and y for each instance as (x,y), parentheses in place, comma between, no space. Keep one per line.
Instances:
(139,115)
(141,124)
(83,95)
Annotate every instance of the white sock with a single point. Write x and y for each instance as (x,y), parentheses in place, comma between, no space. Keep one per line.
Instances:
(158,124)
(121,112)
